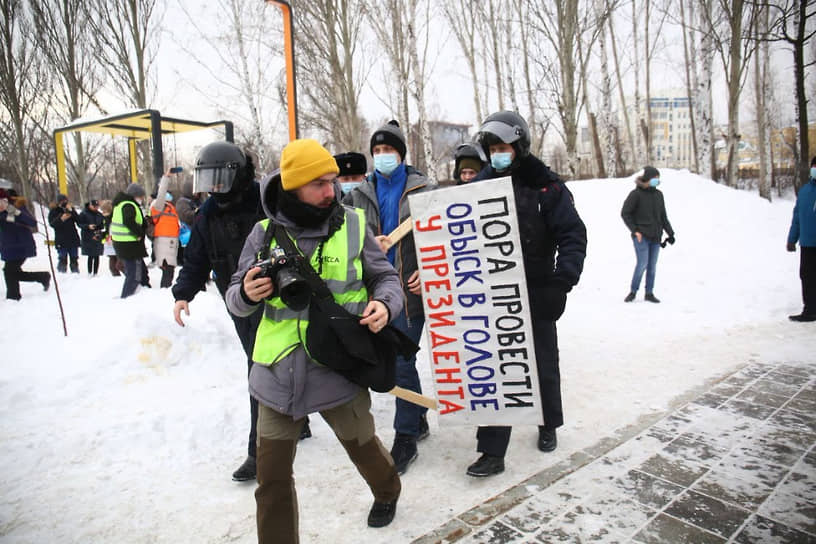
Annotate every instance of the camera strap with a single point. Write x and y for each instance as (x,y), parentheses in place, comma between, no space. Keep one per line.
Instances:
(274,230)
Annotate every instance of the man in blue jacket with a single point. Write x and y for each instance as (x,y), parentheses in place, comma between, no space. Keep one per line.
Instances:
(553,244)
(803,230)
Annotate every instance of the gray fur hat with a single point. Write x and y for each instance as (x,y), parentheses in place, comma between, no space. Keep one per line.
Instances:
(135,190)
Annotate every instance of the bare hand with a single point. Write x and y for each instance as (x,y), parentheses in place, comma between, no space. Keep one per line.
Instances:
(257,289)
(414,285)
(181,305)
(375,316)
(639,237)
(385,242)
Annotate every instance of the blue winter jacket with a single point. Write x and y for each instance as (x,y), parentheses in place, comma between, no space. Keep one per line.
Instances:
(803,225)
(16,238)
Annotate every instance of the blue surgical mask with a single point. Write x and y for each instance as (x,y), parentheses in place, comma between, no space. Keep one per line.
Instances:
(349,186)
(386,163)
(501,161)
(813,172)
(654,182)
(169,197)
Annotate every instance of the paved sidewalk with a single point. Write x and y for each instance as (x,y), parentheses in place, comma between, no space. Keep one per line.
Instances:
(737,465)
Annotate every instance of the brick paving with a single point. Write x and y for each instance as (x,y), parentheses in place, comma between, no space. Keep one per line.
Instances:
(735,465)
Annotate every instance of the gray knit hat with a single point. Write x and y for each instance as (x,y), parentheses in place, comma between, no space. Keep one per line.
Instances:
(389,134)
(135,190)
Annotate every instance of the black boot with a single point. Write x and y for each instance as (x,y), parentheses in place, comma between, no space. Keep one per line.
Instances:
(45,279)
(62,264)
(424,430)
(547,441)
(246,471)
(305,431)
(382,513)
(486,465)
(651,298)
(404,452)
(804,317)
(630,297)
(75,265)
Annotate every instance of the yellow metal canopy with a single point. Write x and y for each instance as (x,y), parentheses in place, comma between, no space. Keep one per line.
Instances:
(135,126)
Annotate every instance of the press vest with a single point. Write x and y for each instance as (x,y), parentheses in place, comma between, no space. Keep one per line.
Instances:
(119,231)
(281,329)
(166,221)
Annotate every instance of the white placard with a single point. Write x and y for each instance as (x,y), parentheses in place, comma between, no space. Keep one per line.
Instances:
(477,314)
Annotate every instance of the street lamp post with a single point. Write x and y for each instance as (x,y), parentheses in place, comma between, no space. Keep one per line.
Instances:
(289,51)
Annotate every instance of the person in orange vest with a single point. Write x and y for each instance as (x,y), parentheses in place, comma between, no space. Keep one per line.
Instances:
(165,232)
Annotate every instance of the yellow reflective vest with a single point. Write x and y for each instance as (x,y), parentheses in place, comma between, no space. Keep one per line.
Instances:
(281,329)
(119,231)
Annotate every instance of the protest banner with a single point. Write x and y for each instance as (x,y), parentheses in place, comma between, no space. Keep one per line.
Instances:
(477,315)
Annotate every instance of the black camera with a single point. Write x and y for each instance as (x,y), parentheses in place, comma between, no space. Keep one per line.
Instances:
(290,286)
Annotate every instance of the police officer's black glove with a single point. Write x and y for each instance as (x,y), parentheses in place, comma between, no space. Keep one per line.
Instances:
(552,301)
(670,239)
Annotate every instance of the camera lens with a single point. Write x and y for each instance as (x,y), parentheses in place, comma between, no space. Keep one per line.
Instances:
(294,290)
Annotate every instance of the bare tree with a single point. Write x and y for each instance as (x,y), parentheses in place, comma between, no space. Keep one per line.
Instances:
(608,131)
(623,106)
(330,69)
(563,24)
(24,93)
(127,37)
(761,92)
(790,26)
(63,40)
(703,120)
(688,55)
(462,19)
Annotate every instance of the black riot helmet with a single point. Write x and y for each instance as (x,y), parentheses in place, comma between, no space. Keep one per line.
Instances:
(222,170)
(505,127)
(468,155)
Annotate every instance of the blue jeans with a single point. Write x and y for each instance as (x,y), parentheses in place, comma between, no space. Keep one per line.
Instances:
(646,253)
(408,414)
(133,276)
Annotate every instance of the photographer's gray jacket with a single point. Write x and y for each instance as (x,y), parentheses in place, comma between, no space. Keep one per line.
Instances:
(296,385)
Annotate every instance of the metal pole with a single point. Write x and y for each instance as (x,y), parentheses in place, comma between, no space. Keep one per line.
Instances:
(289,50)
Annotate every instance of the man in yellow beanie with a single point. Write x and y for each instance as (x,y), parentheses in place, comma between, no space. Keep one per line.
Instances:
(287,383)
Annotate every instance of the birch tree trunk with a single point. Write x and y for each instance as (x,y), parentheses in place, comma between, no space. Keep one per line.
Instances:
(608,128)
(688,56)
(624,108)
(761,93)
(703,120)
(638,147)
(647,136)
(418,91)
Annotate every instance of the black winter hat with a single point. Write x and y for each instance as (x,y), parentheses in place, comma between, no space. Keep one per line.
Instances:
(61,198)
(351,163)
(650,172)
(390,134)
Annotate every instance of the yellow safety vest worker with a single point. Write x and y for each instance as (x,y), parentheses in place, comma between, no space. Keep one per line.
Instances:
(119,231)
(282,329)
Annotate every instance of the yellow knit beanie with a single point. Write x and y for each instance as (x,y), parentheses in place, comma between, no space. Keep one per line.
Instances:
(303,161)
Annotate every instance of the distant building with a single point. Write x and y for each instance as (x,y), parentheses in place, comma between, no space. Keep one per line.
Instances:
(444,139)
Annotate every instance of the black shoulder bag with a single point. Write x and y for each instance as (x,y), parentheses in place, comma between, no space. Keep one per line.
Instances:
(335,338)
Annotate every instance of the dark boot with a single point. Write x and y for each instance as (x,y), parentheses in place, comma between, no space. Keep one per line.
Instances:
(651,298)
(246,471)
(804,317)
(404,452)
(305,431)
(382,513)
(275,497)
(377,469)
(630,297)
(424,430)
(547,440)
(62,264)
(45,279)
(75,265)
(486,465)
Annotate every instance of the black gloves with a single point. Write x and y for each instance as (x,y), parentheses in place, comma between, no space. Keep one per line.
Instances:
(791,247)
(669,240)
(550,302)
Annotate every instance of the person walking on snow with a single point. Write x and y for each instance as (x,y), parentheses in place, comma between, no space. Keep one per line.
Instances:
(803,230)
(301,202)
(384,197)
(92,226)
(17,226)
(63,219)
(644,213)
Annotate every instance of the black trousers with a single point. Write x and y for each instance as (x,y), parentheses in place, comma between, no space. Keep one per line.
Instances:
(493,440)
(246,327)
(13,273)
(807,273)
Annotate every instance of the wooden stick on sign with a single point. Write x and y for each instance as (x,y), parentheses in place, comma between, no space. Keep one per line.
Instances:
(416,398)
(399,233)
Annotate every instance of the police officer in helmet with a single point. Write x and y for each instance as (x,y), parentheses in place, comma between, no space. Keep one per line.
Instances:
(553,242)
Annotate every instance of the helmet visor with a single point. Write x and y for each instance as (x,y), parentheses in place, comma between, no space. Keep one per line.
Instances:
(216,179)
(504,132)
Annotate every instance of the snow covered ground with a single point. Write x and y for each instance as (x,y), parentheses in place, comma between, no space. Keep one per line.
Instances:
(127,430)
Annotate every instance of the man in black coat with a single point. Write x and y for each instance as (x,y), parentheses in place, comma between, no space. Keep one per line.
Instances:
(92,224)
(217,238)
(553,243)
(63,219)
